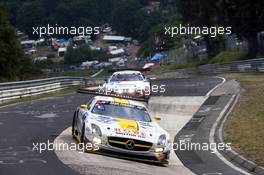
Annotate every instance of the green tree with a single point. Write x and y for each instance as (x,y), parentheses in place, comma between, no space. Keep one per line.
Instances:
(247,19)
(83,53)
(13,63)
(158,41)
(149,20)
(203,13)
(125,19)
(30,14)
(76,13)
(12,7)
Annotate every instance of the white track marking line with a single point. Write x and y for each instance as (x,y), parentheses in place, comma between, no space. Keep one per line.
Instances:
(212,139)
(97,73)
(223,81)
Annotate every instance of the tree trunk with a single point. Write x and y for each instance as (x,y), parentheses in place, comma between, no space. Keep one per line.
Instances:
(252,45)
(213,46)
(209,47)
(261,44)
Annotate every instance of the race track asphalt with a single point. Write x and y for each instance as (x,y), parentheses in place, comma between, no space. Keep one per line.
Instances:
(42,120)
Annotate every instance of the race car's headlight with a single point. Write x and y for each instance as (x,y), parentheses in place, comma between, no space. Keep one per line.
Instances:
(162,140)
(158,150)
(147,88)
(97,140)
(96,130)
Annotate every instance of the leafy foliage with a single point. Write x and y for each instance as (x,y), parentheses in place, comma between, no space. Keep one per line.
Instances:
(158,41)
(244,16)
(227,57)
(13,63)
(83,53)
(127,17)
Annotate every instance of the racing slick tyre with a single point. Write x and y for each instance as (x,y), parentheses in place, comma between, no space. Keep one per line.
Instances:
(82,140)
(73,124)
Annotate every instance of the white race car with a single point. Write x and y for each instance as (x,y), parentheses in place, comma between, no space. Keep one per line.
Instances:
(131,83)
(122,128)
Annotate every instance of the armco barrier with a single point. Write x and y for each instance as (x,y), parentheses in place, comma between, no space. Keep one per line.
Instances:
(252,65)
(15,90)
(21,89)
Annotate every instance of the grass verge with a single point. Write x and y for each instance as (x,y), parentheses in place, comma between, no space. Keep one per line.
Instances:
(174,66)
(245,126)
(76,73)
(223,57)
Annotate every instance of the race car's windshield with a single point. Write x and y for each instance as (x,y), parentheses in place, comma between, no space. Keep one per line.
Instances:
(117,110)
(126,77)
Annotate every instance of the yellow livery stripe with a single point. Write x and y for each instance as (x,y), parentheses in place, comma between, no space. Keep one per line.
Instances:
(120,100)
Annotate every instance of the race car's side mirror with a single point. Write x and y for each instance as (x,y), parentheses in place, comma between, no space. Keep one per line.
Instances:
(83,106)
(157,117)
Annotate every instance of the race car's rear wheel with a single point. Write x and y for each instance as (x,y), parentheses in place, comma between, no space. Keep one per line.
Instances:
(82,140)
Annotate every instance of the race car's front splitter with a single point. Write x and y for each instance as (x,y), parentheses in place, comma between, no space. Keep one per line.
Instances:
(161,157)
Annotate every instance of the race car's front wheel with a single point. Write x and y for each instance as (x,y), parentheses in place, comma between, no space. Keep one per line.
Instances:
(73,124)
(82,140)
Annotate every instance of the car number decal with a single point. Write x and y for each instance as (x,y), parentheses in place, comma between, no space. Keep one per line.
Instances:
(127,132)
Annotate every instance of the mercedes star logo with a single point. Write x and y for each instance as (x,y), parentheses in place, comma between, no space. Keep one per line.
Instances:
(130,144)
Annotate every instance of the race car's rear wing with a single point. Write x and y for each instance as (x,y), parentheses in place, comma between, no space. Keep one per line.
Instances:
(99,93)
(124,69)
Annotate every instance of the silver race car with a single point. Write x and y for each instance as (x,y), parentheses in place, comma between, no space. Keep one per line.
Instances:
(122,128)
(131,83)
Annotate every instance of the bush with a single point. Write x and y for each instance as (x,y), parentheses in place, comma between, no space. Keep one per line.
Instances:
(227,57)
(83,53)
(175,66)
(51,55)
